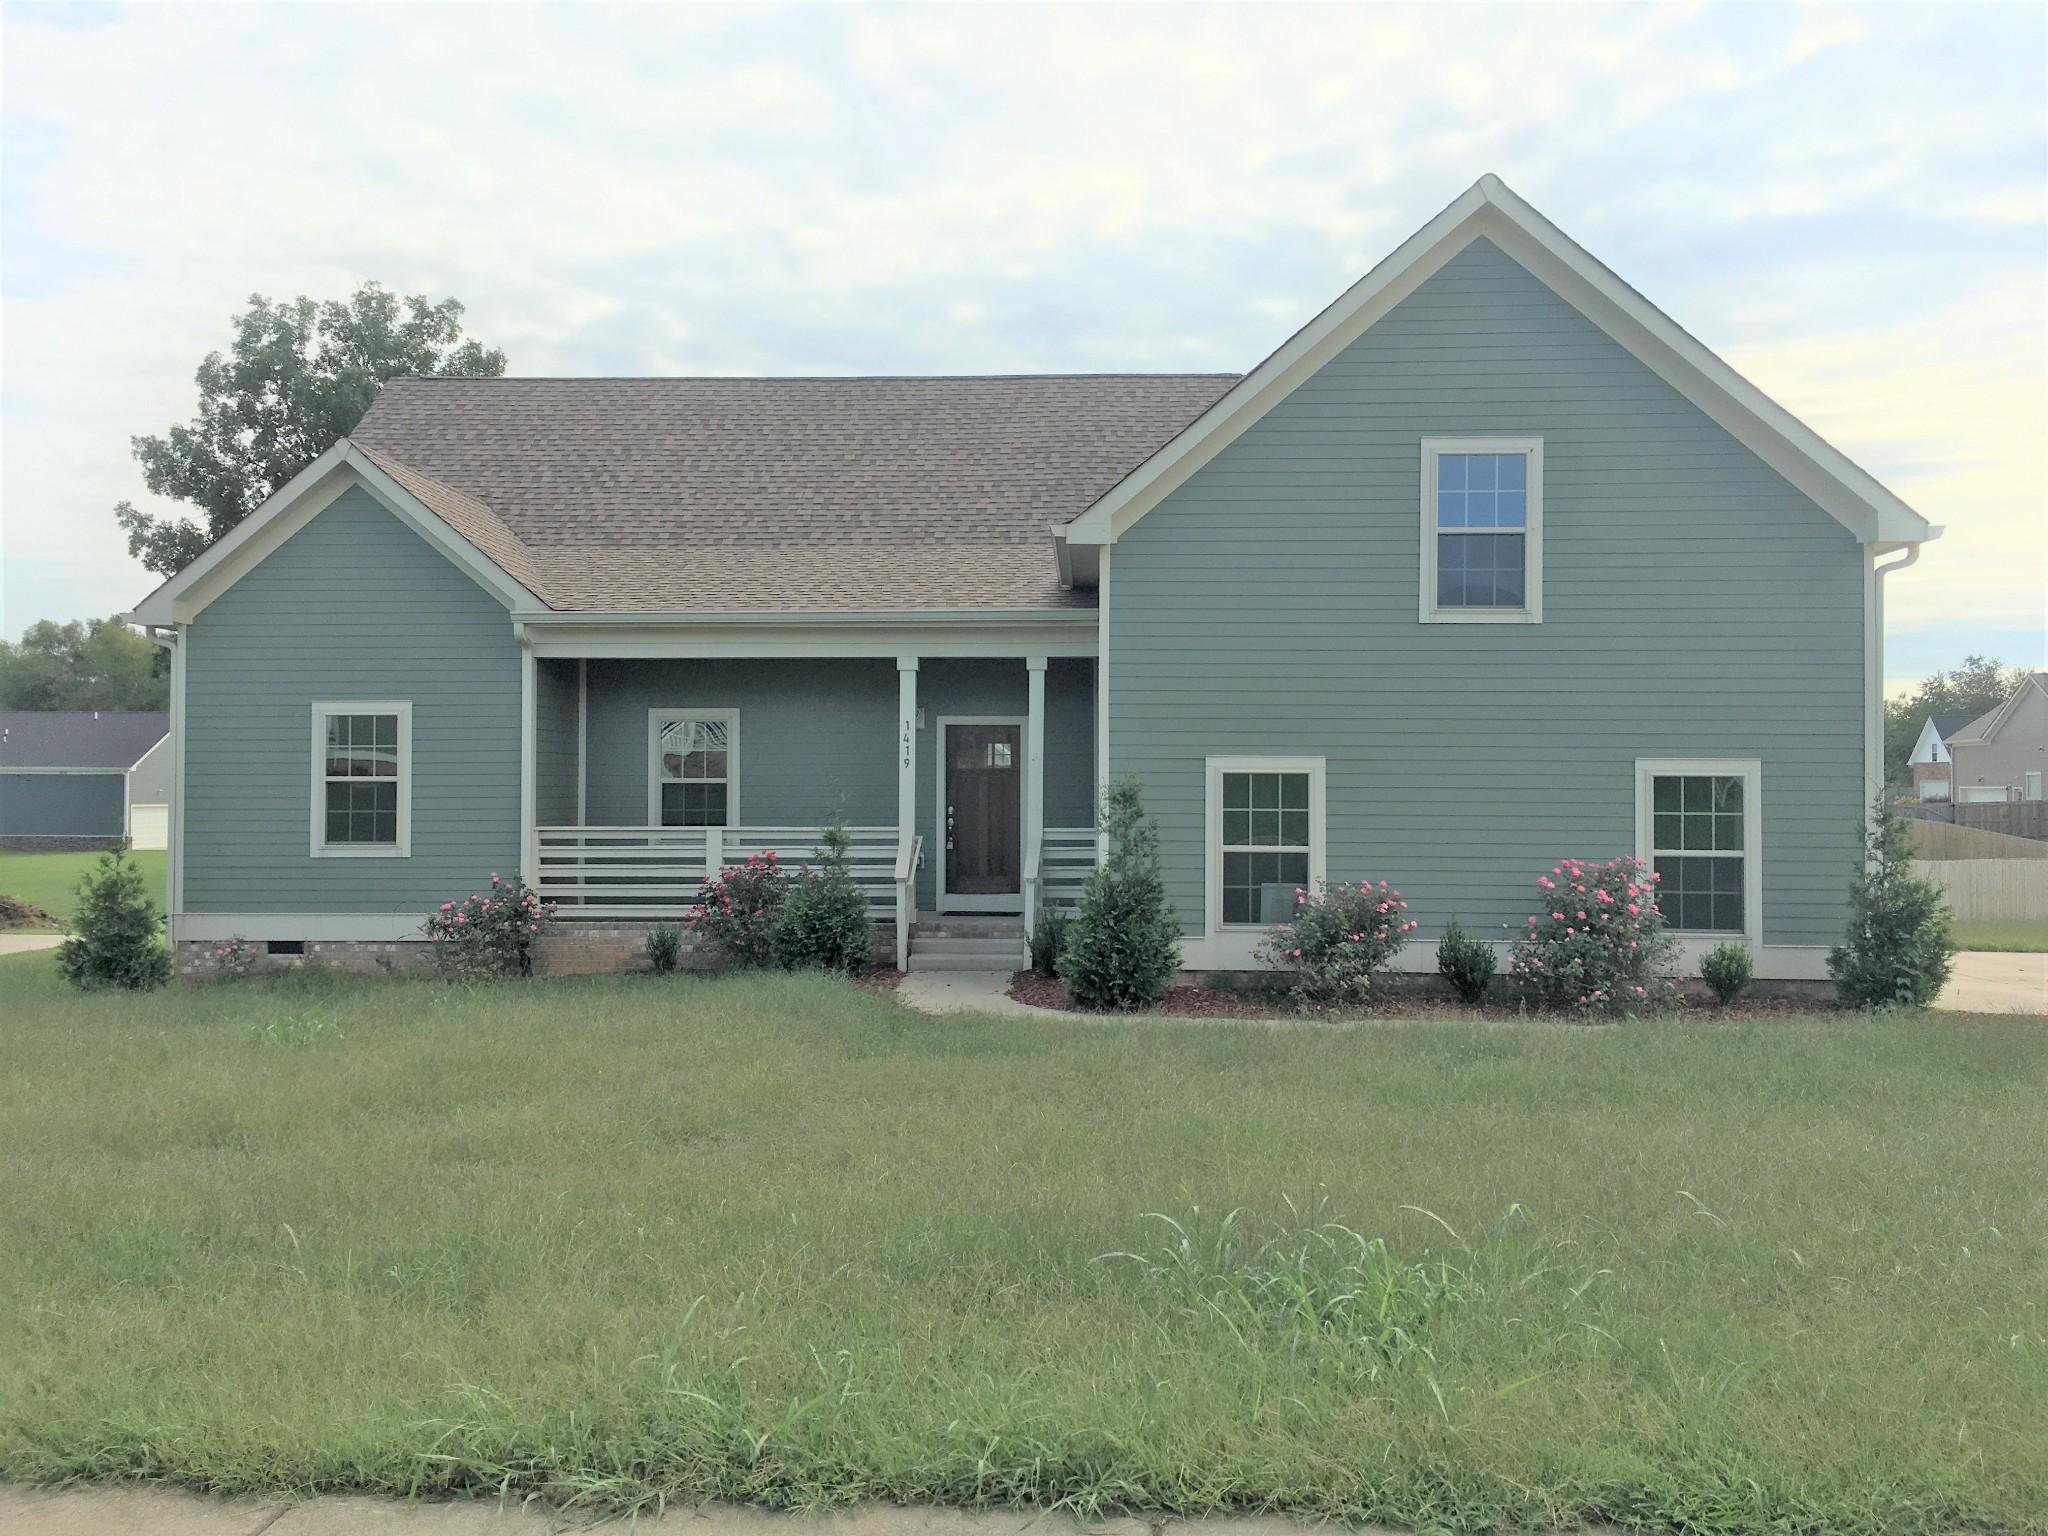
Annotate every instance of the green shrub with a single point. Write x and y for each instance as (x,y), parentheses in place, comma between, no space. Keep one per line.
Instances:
(737,909)
(1898,950)
(1599,945)
(1337,941)
(1123,949)
(1048,938)
(826,923)
(1728,969)
(1465,962)
(486,937)
(117,932)
(663,945)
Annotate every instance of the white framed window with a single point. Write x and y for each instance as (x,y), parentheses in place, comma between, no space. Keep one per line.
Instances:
(692,767)
(2033,790)
(1482,530)
(362,779)
(1699,827)
(1265,838)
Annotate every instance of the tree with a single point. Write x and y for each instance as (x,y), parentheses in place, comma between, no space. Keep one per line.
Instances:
(1899,946)
(299,378)
(117,932)
(1124,947)
(100,665)
(1978,685)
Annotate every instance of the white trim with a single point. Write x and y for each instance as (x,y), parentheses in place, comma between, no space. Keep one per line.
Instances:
(1002,901)
(1531,611)
(1212,832)
(128,807)
(529,763)
(660,716)
(582,741)
(781,635)
(319,847)
(906,745)
(1488,209)
(329,927)
(174,858)
(1751,771)
(1102,707)
(310,492)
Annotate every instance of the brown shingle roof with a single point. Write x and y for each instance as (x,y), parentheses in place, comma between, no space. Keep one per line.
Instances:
(776,493)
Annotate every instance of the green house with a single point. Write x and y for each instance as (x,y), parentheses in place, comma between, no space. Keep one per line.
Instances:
(1489,564)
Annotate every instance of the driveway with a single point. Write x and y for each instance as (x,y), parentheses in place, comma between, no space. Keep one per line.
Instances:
(1983,982)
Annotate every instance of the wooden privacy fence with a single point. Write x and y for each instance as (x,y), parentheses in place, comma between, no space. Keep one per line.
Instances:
(2009,890)
(2015,818)
(1943,840)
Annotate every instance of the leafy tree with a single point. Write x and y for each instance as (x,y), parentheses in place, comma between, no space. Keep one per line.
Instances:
(1978,685)
(1124,946)
(300,376)
(100,665)
(117,932)
(1899,946)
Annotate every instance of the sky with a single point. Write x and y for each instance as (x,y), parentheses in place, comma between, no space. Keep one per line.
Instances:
(1847,203)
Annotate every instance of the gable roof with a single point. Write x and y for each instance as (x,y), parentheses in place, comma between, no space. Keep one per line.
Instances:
(763,494)
(105,738)
(1987,725)
(1946,726)
(1488,209)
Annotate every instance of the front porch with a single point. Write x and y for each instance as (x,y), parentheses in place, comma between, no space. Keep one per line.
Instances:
(968,783)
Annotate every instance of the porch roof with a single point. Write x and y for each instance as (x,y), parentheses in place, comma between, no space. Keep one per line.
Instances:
(773,495)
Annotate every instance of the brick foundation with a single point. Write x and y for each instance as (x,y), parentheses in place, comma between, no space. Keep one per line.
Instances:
(194,957)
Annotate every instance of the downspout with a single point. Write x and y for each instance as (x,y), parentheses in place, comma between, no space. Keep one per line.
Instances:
(168,638)
(1873,661)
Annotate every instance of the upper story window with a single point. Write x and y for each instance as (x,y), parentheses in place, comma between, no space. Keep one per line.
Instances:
(362,779)
(690,783)
(1482,530)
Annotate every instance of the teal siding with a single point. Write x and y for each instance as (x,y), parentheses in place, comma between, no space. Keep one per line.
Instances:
(354,606)
(554,741)
(1695,604)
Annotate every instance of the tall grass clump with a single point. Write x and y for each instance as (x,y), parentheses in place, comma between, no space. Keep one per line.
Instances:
(1900,945)
(117,931)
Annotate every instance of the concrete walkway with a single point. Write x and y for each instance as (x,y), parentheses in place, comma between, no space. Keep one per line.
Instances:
(142,1510)
(22,943)
(1983,982)
(966,992)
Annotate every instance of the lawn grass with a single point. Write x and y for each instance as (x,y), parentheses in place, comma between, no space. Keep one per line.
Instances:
(50,880)
(1986,933)
(775,1239)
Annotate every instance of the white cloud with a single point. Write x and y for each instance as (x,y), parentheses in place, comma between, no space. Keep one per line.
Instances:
(696,189)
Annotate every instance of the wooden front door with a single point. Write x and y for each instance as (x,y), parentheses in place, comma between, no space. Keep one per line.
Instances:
(984,802)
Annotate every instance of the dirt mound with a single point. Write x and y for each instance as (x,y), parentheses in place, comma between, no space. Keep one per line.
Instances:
(19,914)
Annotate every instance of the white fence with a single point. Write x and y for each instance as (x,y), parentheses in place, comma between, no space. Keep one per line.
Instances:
(2009,890)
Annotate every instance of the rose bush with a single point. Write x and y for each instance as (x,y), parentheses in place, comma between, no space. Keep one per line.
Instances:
(737,910)
(1598,945)
(1337,940)
(488,936)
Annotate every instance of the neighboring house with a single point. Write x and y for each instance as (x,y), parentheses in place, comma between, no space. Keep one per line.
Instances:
(84,778)
(2003,753)
(1930,757)
(1489,564)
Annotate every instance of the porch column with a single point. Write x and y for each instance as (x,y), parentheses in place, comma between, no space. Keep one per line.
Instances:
(1034,781)
(906,745)
(529,837)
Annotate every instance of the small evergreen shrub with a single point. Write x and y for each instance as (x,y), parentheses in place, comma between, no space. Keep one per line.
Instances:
(1337,941)
(1599,944)
(1728,969)
(1123,949)
(234,960)
(1465,962)
(117,932)
(737,910)
(826,923)
(663,945)
(1048,938)
(1899,947)
(491,936)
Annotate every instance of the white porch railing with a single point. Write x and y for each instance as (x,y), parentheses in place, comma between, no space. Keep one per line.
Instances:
(1056,869)
(655,872)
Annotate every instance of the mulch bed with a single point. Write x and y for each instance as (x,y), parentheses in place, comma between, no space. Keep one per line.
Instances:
(21,914)
(880,978)
(1185,1002)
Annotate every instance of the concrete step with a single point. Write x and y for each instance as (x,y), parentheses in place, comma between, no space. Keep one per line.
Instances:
(964,944)
(957,927)
(1004,961)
